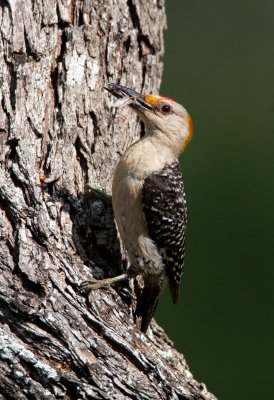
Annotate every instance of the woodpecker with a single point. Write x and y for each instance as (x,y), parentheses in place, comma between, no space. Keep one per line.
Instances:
(149,201)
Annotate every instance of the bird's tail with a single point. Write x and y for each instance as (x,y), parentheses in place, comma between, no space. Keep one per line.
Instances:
(174,291)
(147,300)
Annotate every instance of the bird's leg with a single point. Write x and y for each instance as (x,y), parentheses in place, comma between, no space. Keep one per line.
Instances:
(88,286)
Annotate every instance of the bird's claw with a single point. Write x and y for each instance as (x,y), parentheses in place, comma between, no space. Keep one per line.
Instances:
(88,286)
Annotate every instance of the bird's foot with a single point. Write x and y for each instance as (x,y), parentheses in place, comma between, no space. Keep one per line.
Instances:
(88,286)
(97,194)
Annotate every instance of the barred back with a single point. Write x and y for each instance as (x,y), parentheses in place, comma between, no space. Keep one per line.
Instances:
(164,206)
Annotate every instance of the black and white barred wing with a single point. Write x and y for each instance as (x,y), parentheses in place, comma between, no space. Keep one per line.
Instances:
(164,206)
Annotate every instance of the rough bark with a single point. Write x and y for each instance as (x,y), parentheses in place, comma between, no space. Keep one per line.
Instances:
(56,123)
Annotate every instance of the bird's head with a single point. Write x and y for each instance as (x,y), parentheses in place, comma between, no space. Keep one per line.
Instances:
(161,115)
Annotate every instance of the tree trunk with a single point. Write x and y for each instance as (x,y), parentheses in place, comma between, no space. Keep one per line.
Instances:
(58,132)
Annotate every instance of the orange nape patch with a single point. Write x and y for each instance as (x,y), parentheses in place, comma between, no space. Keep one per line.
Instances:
(190,127)
(190,131)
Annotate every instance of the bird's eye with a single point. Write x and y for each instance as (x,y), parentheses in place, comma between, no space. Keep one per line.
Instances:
(165,109)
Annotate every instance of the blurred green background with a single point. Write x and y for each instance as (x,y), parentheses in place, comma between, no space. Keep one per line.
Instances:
(219,63)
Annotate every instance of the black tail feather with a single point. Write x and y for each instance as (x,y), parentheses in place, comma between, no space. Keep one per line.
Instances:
(174,291)
(147,301)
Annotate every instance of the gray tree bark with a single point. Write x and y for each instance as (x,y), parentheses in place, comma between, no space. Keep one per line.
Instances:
(58,132)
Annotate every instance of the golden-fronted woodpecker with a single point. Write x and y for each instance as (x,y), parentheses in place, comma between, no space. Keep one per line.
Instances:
(149,200)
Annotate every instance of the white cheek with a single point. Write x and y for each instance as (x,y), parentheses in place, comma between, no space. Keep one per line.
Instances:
(185,130)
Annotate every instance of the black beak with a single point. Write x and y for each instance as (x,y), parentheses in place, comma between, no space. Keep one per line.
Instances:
(121,92)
